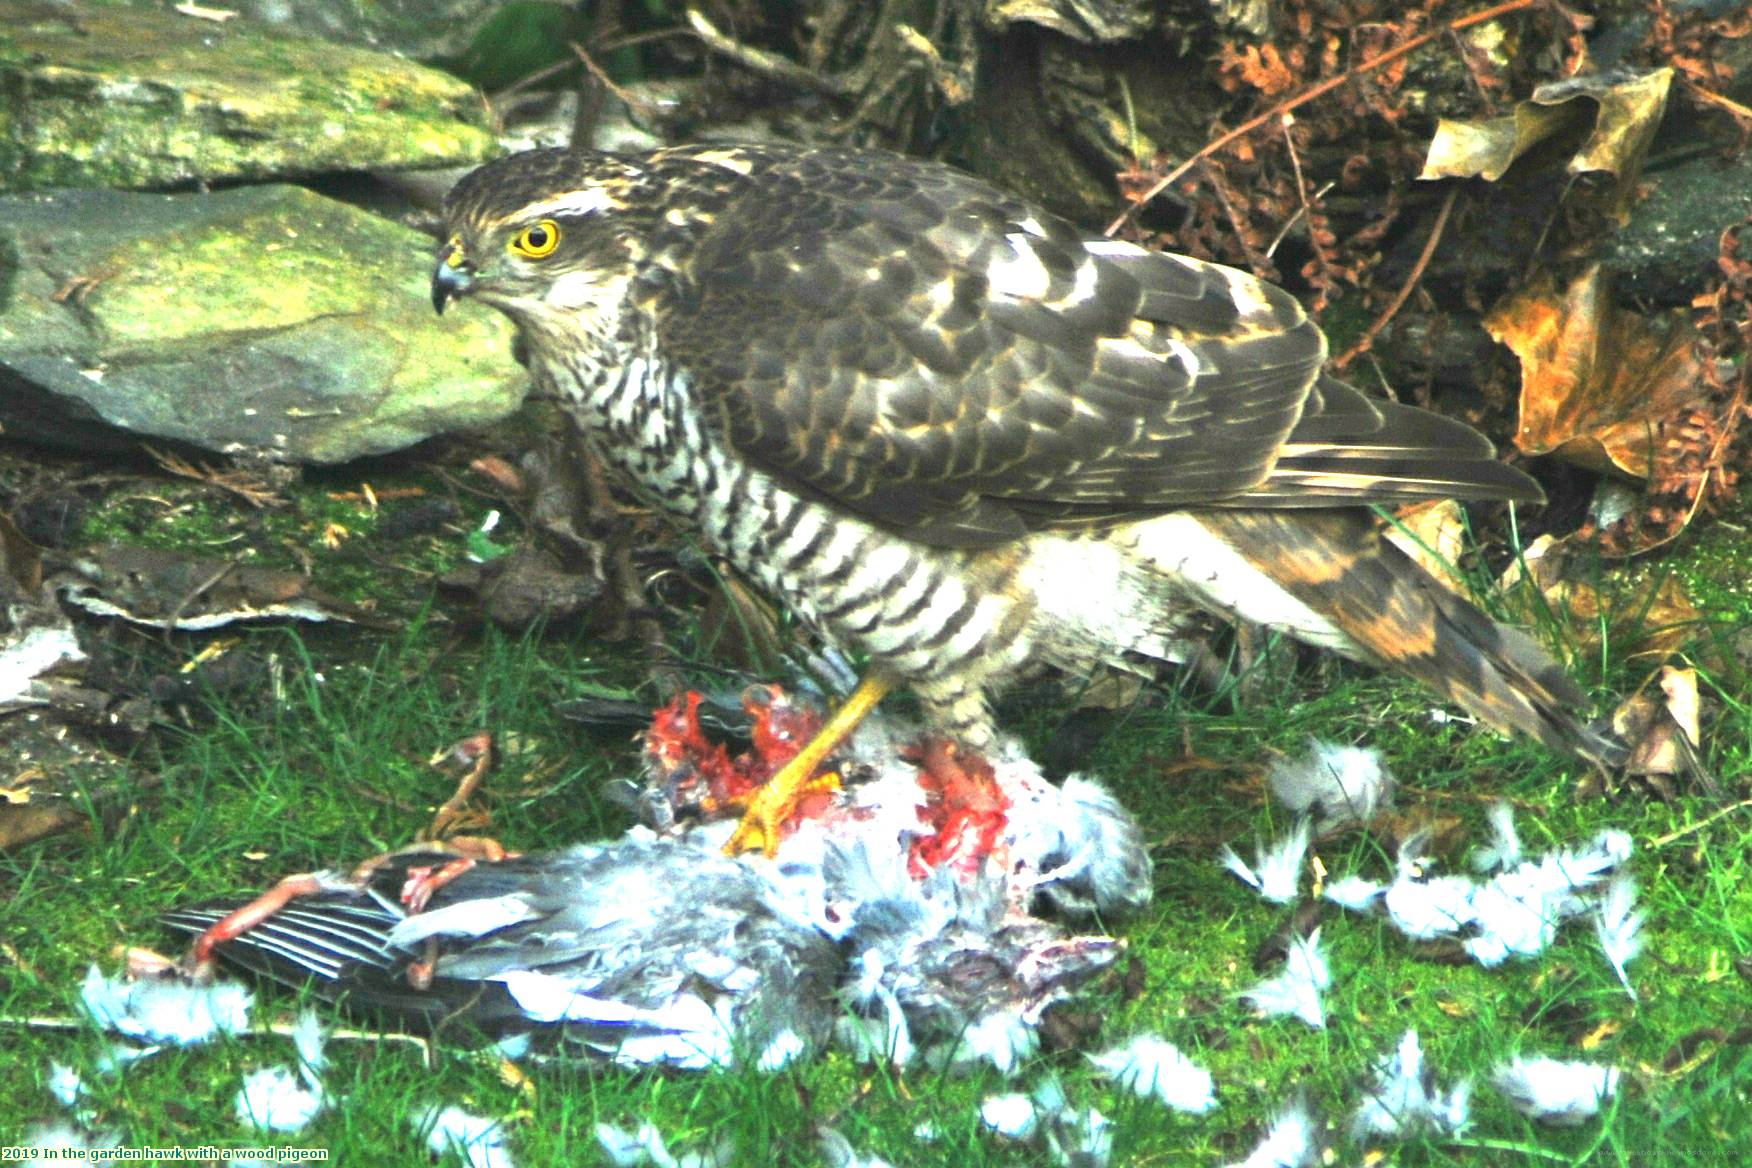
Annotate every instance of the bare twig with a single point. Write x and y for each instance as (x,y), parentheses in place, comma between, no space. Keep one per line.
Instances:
(1309,95)
(649,109)
(1741,114)
(1260,266)
(251,489)
(954,83)
(1694,828)
(1318,225)
(1364,342)
(762,62)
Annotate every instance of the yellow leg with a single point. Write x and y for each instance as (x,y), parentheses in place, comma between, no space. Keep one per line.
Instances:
(772,804)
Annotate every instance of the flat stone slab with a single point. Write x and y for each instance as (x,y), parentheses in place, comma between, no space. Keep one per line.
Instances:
(259,321)
(144,97)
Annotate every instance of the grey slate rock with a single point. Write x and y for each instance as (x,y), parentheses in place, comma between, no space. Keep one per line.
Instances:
(99,95)
(257,322)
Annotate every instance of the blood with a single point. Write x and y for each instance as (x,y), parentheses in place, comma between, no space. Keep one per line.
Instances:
(700,772)
(964,808)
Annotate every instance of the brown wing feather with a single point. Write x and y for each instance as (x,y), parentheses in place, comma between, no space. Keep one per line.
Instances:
(921,348)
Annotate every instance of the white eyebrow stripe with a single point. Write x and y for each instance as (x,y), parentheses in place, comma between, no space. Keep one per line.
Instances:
(583,202)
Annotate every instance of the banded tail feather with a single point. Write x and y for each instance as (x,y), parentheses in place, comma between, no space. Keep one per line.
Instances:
(1339,565)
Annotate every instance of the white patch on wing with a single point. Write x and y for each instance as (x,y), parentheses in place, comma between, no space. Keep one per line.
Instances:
(731,160)
(1117,247)
(1082,285)
(1250,295)
(468,918)
(1188,357)
(940,296)
(1020,274)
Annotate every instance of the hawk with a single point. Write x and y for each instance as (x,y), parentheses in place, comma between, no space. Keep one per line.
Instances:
(963,436)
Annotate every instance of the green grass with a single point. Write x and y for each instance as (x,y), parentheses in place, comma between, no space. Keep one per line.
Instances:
(334,770)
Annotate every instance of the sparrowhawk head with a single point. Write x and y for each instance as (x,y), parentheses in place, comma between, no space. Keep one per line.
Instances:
(541,235)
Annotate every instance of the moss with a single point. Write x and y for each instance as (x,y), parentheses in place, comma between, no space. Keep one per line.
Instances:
(140,97)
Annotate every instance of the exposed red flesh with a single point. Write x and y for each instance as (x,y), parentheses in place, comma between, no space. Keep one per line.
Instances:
(964,808)
(687,760)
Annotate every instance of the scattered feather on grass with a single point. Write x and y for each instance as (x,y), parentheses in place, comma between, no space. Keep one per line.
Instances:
(1002,1039)
(884,1039)
(117,1057)
(285,1099)
(786,1047)
(1553,1091)
(1516,914)
(65,1137)
(1011,1115)
(1081,1138)
(1357,893)
(1289,1142)
(1504,847)
(1346,784)
(165,1009)
(1279,865)
(1296,991)
(629,1149)
(1404,1099)
(1618,923)
(479,1141)
(1149,1065)
(1421,906)
(1596,859)
(277,1099)
(65,1085)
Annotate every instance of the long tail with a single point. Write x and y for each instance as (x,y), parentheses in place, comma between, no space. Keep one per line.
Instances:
(1337,564)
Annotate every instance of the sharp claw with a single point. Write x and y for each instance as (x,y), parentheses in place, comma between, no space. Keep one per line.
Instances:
(768,810)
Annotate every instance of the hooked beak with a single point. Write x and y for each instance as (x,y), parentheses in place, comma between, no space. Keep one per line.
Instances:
(452,278)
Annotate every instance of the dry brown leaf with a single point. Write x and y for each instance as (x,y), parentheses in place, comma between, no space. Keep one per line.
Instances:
(1485,148)
(1433,534)
(1663,731)
(1651,623)
(1628,108)
(1541,561)
(1600,386)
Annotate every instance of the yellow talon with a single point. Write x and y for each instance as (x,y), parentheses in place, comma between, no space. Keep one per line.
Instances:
(772,804)
(769,807)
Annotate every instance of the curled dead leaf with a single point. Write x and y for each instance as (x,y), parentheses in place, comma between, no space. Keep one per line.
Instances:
(1663,731)
(1627,109)
(1600,386)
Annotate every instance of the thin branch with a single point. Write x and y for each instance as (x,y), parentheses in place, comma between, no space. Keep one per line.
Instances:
(1318,225)
(1694,828)
(1301,99)
(1260,266)
(649,109)
(1367,340)
(762,62)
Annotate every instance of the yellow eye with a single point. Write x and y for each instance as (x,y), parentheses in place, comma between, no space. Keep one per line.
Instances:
(538,240)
